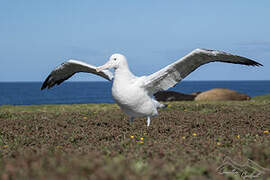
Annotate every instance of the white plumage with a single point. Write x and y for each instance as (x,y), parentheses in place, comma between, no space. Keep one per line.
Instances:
(134,94)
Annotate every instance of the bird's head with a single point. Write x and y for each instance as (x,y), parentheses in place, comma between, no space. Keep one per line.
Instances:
(115,61)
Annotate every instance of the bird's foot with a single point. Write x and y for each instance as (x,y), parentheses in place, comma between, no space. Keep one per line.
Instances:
(148,121)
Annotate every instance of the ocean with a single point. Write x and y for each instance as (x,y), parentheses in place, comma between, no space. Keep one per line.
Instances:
(29,93)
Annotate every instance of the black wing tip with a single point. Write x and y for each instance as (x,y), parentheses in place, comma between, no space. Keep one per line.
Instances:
(249,63)
(45,83)
(258,64)
(252,63)
(48,83)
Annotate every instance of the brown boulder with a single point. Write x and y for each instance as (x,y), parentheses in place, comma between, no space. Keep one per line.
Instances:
(196,93)
(220,94)
(173,96)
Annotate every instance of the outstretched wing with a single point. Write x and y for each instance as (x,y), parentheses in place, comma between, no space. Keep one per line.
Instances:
(68,69)
(175,72)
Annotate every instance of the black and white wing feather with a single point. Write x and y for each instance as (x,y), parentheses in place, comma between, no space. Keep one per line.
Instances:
(175,72)
(68,69)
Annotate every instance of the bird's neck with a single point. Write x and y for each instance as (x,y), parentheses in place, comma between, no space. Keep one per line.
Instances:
(123,74)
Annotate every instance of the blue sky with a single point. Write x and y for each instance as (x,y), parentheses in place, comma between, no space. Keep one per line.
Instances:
(36,36)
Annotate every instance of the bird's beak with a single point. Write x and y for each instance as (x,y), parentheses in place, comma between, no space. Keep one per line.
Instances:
(105,66)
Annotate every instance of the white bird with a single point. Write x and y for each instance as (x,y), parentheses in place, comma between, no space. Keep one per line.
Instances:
(134,94)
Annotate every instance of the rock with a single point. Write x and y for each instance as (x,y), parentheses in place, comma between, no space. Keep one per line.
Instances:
(220,94)
(173,96)
(196,93)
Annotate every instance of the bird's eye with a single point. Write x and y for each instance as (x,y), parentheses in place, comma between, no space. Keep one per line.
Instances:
(114,59)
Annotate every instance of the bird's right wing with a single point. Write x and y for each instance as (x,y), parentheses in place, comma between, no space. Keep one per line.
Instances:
(68,69)
(175,72)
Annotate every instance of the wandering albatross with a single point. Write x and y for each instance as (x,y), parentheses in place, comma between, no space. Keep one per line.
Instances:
(134,94)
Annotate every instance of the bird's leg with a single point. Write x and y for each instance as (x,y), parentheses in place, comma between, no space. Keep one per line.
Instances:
(148,121)
(131,119)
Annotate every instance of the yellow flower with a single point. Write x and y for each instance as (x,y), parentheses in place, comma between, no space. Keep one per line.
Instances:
(142,139)
(194,134)
(238,136)
(5,146)
(266,132)
(169,105)
(183,137)
(141,142)
(131,137)
(218,143)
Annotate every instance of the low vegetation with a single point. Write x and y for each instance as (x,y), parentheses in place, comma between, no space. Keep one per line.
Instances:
(188,140)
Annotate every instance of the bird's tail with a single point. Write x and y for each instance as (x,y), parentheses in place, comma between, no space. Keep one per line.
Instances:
(159,105)
(163,106)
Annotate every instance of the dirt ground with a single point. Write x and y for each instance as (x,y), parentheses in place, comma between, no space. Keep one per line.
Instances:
(188,140)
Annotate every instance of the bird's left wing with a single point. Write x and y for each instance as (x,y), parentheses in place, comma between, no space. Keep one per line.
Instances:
(68,69)
(175,72)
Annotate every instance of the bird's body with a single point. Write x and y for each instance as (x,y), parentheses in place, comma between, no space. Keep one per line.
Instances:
(134,94)
(132,98)
(129,93)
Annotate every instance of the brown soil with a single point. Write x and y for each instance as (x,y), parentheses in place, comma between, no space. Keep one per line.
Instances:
(186,141)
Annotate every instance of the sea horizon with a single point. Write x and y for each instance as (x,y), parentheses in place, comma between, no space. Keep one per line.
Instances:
(97,92)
